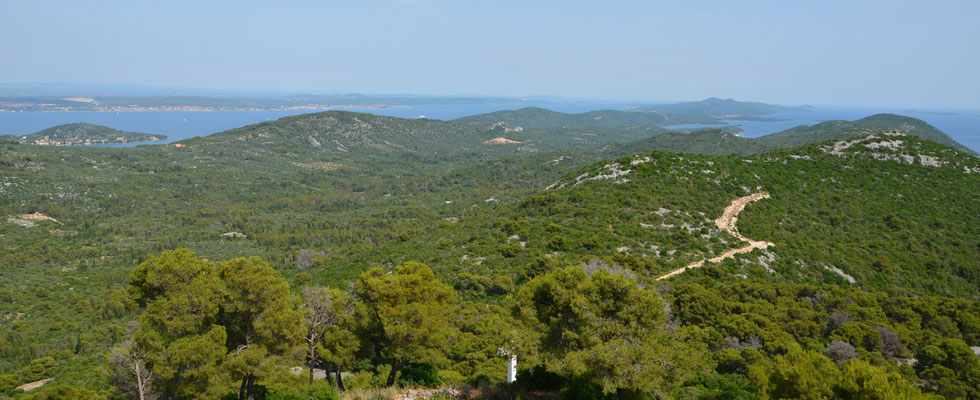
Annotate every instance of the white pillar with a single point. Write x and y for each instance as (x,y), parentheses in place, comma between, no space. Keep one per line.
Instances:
(511,368)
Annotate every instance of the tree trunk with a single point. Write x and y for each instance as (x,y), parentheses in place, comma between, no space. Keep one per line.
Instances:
(312,340)
(139,382)
(242,390)
(251,387)
(340,379)
(395,366)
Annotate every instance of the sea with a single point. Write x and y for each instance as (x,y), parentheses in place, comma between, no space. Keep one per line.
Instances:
(963,126)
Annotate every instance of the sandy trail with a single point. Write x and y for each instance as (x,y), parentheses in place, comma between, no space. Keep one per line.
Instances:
(726,222)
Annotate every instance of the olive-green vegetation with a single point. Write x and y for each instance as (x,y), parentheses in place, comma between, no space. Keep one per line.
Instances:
(405,314)
(602,326)
(866,212)
(82,133)
(410,251)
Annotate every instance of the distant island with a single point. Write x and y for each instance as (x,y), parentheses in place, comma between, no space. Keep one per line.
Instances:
(209,103)
(721,109)
(85,134)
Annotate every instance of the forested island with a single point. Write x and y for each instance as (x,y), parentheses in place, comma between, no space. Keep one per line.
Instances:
(80,134)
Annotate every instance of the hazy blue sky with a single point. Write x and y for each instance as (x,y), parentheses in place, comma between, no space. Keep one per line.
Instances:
(884,53)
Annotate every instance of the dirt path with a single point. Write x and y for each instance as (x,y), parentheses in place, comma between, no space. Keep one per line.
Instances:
(726,222)
(27,387)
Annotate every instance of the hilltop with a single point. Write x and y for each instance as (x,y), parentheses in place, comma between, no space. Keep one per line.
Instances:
(85,134)
(362,138)
(831,130)
(720,142)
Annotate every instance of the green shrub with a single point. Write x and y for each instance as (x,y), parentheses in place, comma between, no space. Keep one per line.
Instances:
(358,380)
(380,378)
(64,392)
(8,381)
(419,374)
(322,393)
(581,388)
(539,379)
(450,377)
(281,396)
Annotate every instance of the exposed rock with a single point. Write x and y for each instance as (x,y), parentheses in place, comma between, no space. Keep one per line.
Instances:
(38,217)
(27,387)
(501,140)
(838,271)
(22,222)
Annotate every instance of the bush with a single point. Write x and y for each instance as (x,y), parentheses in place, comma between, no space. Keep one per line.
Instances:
(358,380)
(281,396)
(325,392)
(380,378)
(539,379)
(581,388)
(64,392)
(322,393)
(419,374)
(8,381)
(450,377)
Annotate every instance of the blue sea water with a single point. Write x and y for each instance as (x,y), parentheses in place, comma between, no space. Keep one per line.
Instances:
(963,126)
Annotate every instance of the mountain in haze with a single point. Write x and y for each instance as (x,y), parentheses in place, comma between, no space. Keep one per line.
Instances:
(85,134)
(720,108)
(709,111)
(541,118)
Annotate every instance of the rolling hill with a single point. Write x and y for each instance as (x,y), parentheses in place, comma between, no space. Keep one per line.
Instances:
(654,212)
(865,210)
(719,142)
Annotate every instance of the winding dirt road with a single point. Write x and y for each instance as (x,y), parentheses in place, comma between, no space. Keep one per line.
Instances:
(727,223)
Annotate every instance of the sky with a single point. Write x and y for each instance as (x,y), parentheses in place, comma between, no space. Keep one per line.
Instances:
(859,53)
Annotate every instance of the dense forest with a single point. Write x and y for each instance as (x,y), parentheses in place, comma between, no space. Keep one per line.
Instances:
(396,253)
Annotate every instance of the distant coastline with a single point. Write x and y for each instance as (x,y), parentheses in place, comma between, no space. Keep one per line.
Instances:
(137,108)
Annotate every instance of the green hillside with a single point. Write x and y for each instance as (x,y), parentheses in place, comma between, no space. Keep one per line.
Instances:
(655,211)
(832,130)
(84,134)
(874,244)
(340,135)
